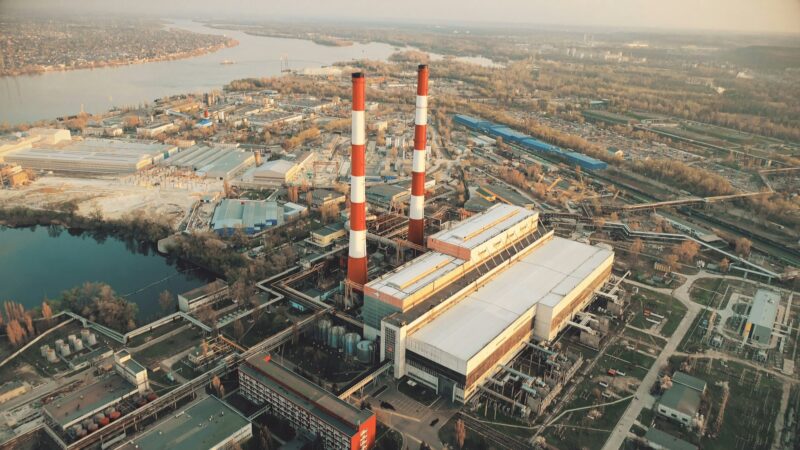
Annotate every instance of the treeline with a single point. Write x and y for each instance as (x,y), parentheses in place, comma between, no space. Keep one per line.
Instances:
(99,303)
(19,323)
(131,227)
(697,181)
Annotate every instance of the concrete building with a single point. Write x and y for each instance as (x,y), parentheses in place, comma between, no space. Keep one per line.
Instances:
(206,424)
(12,175)
(128,368)
(325,236)
(251,216)
(326,197)
(305,405)
(203,295)
(681,402)
(219,161)
(154,129)
(12,390)
(758,328)
(490,284)
(50,136)
(91,156)
(277,172)
(82,403)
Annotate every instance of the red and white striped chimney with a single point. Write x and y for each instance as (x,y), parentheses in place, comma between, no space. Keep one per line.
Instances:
(357,256)
(416,211)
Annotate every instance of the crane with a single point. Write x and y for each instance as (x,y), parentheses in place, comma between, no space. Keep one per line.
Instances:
(552,185)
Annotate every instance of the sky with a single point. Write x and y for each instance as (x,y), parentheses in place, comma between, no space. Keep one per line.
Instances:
(779,16)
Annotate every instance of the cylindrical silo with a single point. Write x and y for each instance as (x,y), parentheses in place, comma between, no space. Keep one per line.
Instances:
(350,343)
(84,333)
(59,343)
(51,355)
(44,349)
(65,350)
(92,339)
(92,427)
(77,345)
(337,337)
(324,330)
(364,351)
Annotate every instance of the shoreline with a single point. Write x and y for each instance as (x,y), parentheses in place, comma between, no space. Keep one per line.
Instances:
(117,63)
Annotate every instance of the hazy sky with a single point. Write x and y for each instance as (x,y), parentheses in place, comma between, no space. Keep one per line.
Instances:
(730,15)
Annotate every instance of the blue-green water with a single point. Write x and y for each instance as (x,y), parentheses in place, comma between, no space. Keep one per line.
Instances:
(44,261)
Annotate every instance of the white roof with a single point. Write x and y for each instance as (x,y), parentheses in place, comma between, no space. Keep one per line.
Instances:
(479,228)
(543,277)
(276,167)
(409,278)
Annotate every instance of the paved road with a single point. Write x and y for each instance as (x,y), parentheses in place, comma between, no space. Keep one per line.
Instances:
(642,398)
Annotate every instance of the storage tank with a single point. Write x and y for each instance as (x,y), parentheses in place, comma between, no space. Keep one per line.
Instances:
(324,330)
(51,355)
(81,433)
(85,333)
(114,415)
(364,351)
(77,345)
(71,338)
(92,428)
(108,411)
(92,340)
(59,343)
(104,421)
(65,350)
(98,416)
(350,343)
(86,423)
(337,337)
(152,396)
(44,349)
(76,429)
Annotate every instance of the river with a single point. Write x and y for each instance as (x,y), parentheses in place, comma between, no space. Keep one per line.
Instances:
(49,95)
(42,262)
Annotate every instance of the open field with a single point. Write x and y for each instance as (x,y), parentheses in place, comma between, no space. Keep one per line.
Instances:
(110,197)
(656,303)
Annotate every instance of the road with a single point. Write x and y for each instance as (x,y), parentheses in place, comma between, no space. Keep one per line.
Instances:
(642,398)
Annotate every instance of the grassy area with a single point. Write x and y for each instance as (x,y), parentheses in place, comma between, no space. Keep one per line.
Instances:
(657,303)
(153,334)
(753,404)
(169,347)
(588,428)
(694,339)
(266,325)
(633,359)
(706,291)
(644,337)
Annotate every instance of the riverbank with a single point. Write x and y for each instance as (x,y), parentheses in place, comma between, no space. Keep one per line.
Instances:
(37,69)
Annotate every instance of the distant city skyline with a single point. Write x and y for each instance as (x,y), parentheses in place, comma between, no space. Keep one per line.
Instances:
(776,16)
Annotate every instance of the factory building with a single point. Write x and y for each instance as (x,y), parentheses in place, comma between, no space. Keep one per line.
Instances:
(251,216)
(220,162)
(203,295)
(489,284)
(282,171)
(87,401)
(758,328)
(154,129)
(91,156)
(207,424)
(327,235)
(681,402)
(131,370)
(305,405)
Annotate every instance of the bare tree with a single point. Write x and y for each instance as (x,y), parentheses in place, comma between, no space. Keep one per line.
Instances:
(166,301)
(461,433)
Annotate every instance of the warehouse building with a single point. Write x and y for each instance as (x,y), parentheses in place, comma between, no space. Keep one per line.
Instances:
(203,295)
(279,172)
(758,328)
(251,216)
(490,284)
(305,405)
(221,162)
(83,403)
(325,236)
(681,402)
(91,156)
(206,424)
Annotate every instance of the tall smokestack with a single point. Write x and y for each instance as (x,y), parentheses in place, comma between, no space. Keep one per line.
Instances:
(416,213)
(357,260)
